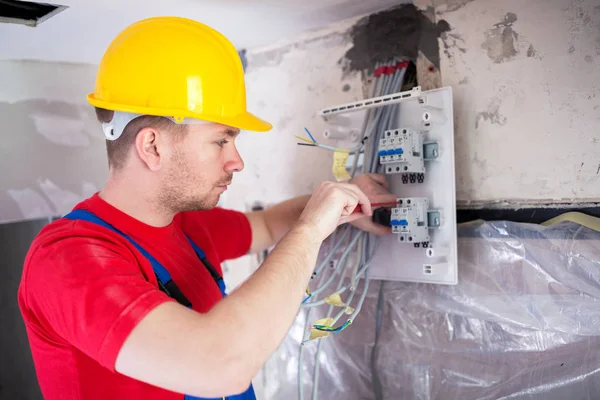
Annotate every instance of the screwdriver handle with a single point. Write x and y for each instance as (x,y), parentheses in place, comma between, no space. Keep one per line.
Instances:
(358,208)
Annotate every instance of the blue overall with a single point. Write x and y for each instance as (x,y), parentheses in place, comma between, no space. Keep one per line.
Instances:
(165,283)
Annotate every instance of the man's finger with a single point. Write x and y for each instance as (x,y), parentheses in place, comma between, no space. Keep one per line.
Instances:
(363,200)
(379,178)
(352,200)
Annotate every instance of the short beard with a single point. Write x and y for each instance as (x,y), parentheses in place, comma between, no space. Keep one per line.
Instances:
(178,189)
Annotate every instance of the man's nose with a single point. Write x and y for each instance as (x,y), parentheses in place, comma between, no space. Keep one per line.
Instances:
(234,162)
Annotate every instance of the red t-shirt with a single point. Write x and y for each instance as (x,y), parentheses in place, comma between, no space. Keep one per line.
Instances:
(84,288)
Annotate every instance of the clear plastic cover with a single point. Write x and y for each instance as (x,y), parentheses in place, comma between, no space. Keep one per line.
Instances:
(523,323)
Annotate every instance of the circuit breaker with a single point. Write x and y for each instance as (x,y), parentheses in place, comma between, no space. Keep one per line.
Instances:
(409,221)
(401,152)
(417,157)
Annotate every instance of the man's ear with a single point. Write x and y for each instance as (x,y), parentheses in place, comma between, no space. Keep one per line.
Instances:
(149,145)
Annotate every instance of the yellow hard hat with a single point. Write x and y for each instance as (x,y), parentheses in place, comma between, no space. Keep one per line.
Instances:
(175,67)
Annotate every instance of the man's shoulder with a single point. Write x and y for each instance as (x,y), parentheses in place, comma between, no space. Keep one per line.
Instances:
(61,229)
(70,240)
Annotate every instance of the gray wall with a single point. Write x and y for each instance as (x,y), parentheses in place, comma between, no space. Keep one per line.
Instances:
(52,153)
(17,374)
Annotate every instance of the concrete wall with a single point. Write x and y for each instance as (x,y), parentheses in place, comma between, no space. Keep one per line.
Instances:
(526,83)
(527,101)
(526,79)
(52,150)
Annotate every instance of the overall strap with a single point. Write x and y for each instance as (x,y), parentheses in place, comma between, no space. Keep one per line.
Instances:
(165,282)
(211,269)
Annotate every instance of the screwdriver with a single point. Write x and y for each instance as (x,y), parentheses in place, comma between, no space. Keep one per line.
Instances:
(358,208)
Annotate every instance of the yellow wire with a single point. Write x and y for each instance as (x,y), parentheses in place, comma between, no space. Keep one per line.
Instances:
(306,140)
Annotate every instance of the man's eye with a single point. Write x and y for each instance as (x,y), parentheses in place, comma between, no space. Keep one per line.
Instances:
(223,142)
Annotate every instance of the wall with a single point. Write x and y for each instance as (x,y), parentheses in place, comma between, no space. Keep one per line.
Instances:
(17,373)
(526,103)
(526,79)
(526,84)
(52,153)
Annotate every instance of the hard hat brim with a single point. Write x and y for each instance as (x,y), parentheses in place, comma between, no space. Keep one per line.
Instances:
(245,121)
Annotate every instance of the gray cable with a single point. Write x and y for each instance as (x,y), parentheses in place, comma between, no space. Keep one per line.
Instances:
(307,334)
(355,268)
(388,121)
(348,301)
(377,389)
(317,365)
(342,290)
(337,267)
(332,251)
(375,122)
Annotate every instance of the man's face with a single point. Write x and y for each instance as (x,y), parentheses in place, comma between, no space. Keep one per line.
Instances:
(200,167)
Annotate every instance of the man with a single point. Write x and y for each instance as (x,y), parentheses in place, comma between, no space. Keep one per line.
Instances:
(122,297)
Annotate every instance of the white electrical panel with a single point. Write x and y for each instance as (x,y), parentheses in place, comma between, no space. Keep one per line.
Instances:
(417,157)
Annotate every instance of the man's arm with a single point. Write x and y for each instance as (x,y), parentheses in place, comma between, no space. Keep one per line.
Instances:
(219,353)
(268,226)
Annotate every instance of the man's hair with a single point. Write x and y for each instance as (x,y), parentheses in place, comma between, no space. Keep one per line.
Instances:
(118,150)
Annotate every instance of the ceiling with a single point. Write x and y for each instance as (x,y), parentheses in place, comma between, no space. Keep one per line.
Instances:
(82,32)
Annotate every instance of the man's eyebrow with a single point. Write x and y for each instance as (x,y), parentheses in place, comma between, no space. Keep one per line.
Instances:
(231,132)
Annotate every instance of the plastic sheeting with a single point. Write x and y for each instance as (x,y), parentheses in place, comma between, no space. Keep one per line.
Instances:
(523,323)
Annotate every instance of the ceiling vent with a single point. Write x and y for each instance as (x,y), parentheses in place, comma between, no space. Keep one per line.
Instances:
(26,12)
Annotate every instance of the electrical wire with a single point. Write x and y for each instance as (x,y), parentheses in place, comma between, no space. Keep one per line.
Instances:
(375,352)
(317,364)
(325,146)
(341,290)
(337,317)
(376,122)
(318,290)
(311,136)
(355,269)
(373,121)
(307,321)
(332,251)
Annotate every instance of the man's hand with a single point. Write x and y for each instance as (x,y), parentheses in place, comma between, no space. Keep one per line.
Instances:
(269,226)
(376,188)
(332,204)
